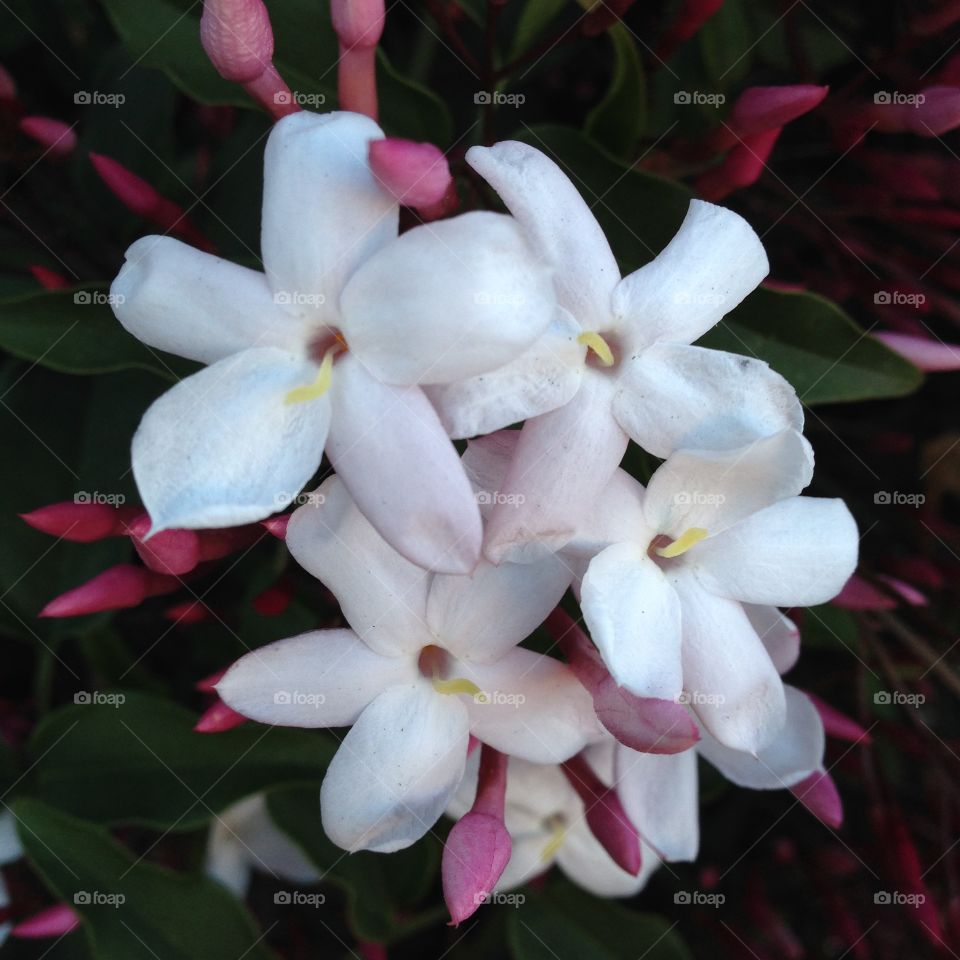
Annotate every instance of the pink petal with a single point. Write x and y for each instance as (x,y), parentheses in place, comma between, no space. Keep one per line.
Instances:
(172,552)
(740,168)
(837,724)
(47,278)
(762,109)
(58,137)
(217,718)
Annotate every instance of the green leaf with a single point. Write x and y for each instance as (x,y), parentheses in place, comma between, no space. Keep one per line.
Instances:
(618,121)
(536,17)
(830,628)
(379,889)
(816,346)
(133,910)
(727,45)
(140,762)
(639,212)
(75,331)
(565,923)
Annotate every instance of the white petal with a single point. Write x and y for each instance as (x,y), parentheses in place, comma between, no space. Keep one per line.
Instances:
(324,212)
(795,553)
(780,636)
(526,860)
(617,516)
(795,753)
(586,863)
(382,594)
(714,490)
(222,448)
(531,706)
(227,861)
(392,453)
(176,298)
(560,225)
(711,264)
(10,847)
(395,771)
(562,463)
(672,395)
(659,795)
(324,678)
(486,461)
(634,618)
(728,676)
(448,300)
(483,615)
(545,376)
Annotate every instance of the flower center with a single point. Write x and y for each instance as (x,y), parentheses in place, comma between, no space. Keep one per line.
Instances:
(432,661)
(663,546)
(556,826)
(599,351)
(325,348)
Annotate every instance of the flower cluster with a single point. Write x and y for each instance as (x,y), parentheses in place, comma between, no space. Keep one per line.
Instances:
(380,349)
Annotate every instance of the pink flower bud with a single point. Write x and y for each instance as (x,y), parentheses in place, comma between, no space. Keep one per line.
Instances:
(837,724)
(692,16)
(47,278)
(58,137)
(140,198)
(80,522)
(172,552)
(218,718)
(188,612)
(759,109)
(605,815)
(277,526)
(930,113)
(416,174)
(117,588)
(929,355)
(359,26)
(8,88)
(53,922)
(273,601)
(237,37)
(478,847)
(644,724)
(740,168)
(818,793)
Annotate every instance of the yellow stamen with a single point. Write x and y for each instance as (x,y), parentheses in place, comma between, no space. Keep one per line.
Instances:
(456,685)
(682,544)
(319,386)
(598,345)
(555,842)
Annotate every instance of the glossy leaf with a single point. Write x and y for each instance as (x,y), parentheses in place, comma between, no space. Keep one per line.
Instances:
(618,121)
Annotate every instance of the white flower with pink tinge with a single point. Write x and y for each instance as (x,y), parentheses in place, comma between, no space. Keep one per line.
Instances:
(431,659)
(328,348)
(618,362)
